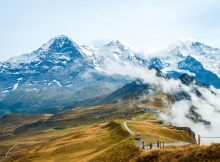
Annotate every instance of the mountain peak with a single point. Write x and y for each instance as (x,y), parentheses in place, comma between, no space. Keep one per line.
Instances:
(62,38)
(58,43)
(190,45)
(115,43)
(181,44)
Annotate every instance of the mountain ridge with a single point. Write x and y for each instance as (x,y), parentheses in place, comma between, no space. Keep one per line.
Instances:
(61,71)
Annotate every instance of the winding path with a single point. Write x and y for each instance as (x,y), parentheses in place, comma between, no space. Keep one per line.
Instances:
(128,129)
(154,146)
(6,155)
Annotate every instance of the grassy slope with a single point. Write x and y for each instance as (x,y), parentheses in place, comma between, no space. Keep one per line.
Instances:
(184,154)
(157,102)
(75,144)
(120,152)
(82,116)
(99,143)
(81,136)
(153,131)
(12,121)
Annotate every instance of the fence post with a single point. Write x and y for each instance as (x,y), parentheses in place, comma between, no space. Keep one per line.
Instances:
(151,146)
(163,145)
(158,144)
(142,144)
(199,139)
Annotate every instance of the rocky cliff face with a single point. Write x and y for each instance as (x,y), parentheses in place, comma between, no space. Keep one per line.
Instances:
(189,131)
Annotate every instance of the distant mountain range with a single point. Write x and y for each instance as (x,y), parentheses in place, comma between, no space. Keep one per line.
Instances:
(194,58)
(61,74)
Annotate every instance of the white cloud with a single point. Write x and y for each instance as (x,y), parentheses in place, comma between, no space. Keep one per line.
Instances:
(208,106)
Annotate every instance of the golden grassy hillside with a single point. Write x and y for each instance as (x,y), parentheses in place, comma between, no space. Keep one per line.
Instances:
(75,144)
(95,134)
(12,121)
(184,154)
(120,152)
(158,101)
(82,116)
(153,131)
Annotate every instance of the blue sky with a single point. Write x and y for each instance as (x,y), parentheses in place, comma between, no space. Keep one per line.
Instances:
(141,24)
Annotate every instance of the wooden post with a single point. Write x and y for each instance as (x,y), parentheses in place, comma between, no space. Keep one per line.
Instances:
(158,144)
(163,145)
(151,146)
(199,139)
(142,144)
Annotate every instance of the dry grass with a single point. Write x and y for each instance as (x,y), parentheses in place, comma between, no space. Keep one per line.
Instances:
(83,116)
(81,136)
(120,152)
(157,102)
(12,121)
(152,131)
(76,144)
(146,116)
(184,154)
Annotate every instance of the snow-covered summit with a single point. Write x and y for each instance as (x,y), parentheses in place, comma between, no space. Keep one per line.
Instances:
(192,47)
(191,57)
(115,43)
(111,52)
(61,70)
(207,55)
(56,74)
(58,43)
(57,48)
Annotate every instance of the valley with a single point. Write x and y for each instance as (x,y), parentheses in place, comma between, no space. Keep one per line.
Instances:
(90,142)
(93,141)
(106,132)
(93,134)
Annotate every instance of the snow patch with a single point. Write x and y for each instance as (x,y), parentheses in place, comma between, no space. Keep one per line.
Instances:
(5,91)
(57,82)
(70,85)
(15,86)
(25,59)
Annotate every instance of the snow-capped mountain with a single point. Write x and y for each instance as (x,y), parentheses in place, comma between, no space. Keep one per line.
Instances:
(112,52)
(53,77)
(62,73)
(193,58)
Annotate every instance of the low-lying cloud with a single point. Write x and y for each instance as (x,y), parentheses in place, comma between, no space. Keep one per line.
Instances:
(207,105)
